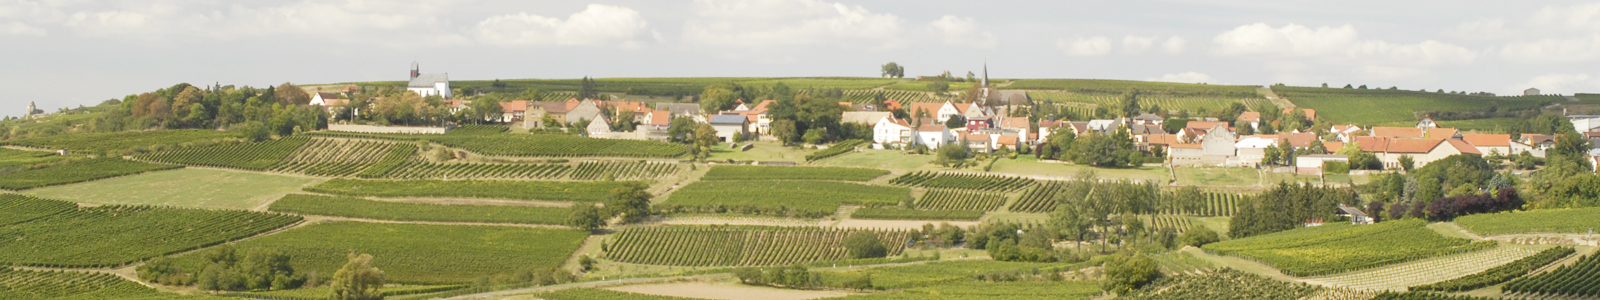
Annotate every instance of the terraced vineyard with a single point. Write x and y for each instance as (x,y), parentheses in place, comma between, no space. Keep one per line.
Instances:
(400,211)
(1401,276)
(107,236)
(809,199)
(397,155)
(937,199)
(555,145)
(415,253)
(419,169)
(736,172)
(996,183)
(1341,247)
(1581,278)
(495,189)
(27,285)
(77,171)
(17,208)
(1155,223)
(737,246)
(1378,106)
(336,157)
(248,156)
(617,170)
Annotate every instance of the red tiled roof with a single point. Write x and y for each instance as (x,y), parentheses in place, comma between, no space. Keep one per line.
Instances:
(514,106)
(931,128)
(1375,144)
(1488,140)
(1014,122)
(1162,139)
(1298,140)
(1007,140)
(660,118)
(1414,145)
(1397,132)
(1333,146)
(633,106)
(1250,116)
(890,104)
(1311,114)
(1185,146)
(1441,133)
(932,109)
(1463,146)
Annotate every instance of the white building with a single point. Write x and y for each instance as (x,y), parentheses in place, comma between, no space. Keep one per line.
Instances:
(891,131)
(1530,92)
(429,84)
(730,127)
(934,136)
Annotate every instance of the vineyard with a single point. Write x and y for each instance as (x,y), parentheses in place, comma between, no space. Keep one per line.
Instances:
(1042,199)
(1222,284)
(837,149)
(1341,247)
(248,156)
(940,272)
(397,155)
(1449,268)
(335,157)
(559,146)
(1578,279)
(978,290)
(15,208)
(496,189)
(420,169)
(1499,274)
(417,254)
(736,172)
(106,236)
(399,211)
(993,183)
(916,214)
(1572,220)
(903,96)
(127,142)
(599,294)
(1172,102)
(1117,87)
(1341,106)
(24,284)
(77,171)
(1156,223)
(937,199)
(736,246)
(808,199)
(14,160)
(616,170)
(1425,296)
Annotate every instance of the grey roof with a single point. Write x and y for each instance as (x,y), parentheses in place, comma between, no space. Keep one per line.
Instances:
(679,108)
(427,80)
(1015,97)
(1148,116)
(1351,210)
(728,119)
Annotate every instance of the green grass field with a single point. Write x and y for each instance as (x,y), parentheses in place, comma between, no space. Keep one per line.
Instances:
(13,160)
(976,290)
(204,188)
(1575,220)
(879,159)
(398,211)
(1218,176)
(422,254)
(763,151)
(1340,247)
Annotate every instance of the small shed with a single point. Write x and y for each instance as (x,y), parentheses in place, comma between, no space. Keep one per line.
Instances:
(1356,216)
(730,126)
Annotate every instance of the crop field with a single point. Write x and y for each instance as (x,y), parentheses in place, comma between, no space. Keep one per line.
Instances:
(248,156)
(1341,247)
(916,214)
(127,141)
(1104,86)
(417,254)
(334,157)
(903,96)
(1573,220)
(737,246)
(27,285)
(736,172)
(1170,102)
(16,208)
(1223,284)
(187,187)
(618,170)
(398,211)
(107,236)
(12,159)
(1399,277)
(937,199)
(495,189)
(1499,274)
(77,171)
(941,272)
(1214,204)
(810,199)
(992,183)
(976,290)
(1041,198)
(1578,279)
(1342,106)
(419,169)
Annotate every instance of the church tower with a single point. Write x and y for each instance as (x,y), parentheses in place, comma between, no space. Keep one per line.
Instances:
(985,74)
(31,109)
(414,70)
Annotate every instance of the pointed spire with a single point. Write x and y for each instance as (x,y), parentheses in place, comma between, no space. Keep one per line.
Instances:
(985,74)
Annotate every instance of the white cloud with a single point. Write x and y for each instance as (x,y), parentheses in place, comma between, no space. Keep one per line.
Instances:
(1560,83)
(1389,72)
(1581,17)
(958,31)
(371,22)
(1553,50)
(1292,39)
(1185,77)
(765,23)
(1085,46)
(1173,45)
(595,25)
(1428,52)
(19,28)
(1137,44)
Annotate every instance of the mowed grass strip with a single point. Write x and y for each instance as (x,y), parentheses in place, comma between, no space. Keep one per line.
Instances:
(416,253)
(495,189)
(1575,220)
(106,236)
(398,211)
(798,198)
(1341,247)
(187,187)
(77,171)
(727,172)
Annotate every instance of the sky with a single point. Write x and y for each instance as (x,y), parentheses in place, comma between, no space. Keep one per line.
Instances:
(76,52)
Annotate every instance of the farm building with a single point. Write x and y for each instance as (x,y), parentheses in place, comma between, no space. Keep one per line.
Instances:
(513,110)
(939,111)
(533,116)
(934,136)
(1356,216)
(1312,164)
(1398,132)
(1185,154)
(583,110)
(864,117)
(600,127)
(890,131)
(437,84)
(1490,143)
(1530,92)
(730,127)
(328,101)
(1217,147)
(1423,151)
(682,110)
(1252,149)
(1148,119)
(1252,117)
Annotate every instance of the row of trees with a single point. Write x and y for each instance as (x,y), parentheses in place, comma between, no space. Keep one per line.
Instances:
(1288,206)
(277,110)
(1096,149)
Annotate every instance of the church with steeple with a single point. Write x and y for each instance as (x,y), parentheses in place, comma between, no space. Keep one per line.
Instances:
(1000,101)
(429,84)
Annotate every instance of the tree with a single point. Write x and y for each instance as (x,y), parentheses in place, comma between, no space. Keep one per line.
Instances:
(938,87)
(357,280)
(955,121)
(1127,273)
(1130,103)
(952,155)
(784,131)
(893,70)
(288,94)
(682,128)
(631,200)
(864,244)
(487,108)
(716,98)
(586,89)
(586,217)
(705,138)
(1406,163)
(1199,236)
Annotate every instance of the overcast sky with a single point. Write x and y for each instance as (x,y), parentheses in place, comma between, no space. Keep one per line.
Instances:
(67,53)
